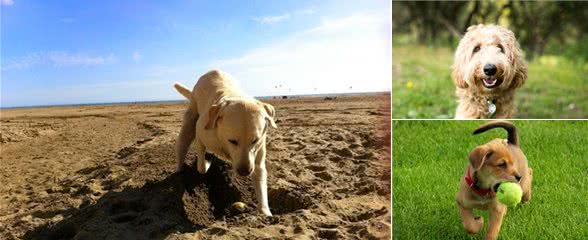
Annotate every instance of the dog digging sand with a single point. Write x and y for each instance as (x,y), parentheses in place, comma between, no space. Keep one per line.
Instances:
(109,172)
(224,121)
(500,160)
(488,68)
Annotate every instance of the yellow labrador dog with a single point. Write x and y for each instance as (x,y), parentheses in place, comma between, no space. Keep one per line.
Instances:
(232,126)
(490,164)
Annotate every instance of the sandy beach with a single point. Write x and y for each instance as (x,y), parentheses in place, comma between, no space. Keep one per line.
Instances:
(107,172)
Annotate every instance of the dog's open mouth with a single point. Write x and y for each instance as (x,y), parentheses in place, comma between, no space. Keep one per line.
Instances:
(491,81)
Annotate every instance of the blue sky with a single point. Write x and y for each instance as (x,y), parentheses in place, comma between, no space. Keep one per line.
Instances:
(67,52)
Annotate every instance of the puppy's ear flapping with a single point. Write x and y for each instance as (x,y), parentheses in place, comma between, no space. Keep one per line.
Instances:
(214,114)
(478,156)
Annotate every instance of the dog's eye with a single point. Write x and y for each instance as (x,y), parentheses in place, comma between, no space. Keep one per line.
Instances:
(501,48)
(254,141)
(502,165)
(476,49)
(234,142)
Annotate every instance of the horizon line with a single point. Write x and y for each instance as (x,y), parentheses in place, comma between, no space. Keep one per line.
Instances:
(180,100)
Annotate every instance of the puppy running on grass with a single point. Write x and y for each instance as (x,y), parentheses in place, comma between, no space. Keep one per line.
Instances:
(490,164)
(232,126)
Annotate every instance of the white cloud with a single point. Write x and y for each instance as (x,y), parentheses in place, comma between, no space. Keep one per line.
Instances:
(346,54)
(283,17)
(272,19)
(56,59)
(6,2)
(137,56)
(67,59)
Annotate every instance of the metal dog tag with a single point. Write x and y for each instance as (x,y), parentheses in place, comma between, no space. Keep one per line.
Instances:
(491,108)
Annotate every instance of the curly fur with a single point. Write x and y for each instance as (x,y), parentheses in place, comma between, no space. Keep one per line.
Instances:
(495,45)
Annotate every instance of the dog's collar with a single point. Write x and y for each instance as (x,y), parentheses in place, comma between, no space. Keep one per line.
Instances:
(491,103)
(480,191)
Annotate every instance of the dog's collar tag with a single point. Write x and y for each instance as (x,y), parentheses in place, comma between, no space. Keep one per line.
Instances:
(491,107)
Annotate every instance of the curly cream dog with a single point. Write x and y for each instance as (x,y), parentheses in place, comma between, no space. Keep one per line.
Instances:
(232,126)
(488,68)
(489,165)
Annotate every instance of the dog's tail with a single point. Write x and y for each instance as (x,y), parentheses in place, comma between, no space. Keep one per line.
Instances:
(513,137)
(183,90)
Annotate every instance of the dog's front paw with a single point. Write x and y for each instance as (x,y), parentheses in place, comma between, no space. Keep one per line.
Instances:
(202,170)
(265,211)
(203,166)
(475,226)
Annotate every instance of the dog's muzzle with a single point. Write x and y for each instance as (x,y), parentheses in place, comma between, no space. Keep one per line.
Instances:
(489,80)
(244,171)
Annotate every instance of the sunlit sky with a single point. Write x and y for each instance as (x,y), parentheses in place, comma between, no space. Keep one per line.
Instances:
(70,52)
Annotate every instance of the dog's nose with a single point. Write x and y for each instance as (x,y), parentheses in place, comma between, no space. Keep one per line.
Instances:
(518,178)
(490,69)
(244,171)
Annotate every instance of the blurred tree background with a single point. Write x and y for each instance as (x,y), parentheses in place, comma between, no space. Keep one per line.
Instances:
(553,36)
(542,27)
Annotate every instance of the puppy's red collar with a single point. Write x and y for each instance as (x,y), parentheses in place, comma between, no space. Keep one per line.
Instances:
(480,191)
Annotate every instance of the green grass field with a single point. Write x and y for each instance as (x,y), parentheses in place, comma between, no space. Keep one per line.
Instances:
(429,158)
(556,88)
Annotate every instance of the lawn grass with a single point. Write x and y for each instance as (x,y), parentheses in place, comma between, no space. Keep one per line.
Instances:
(429,158)
(556,87)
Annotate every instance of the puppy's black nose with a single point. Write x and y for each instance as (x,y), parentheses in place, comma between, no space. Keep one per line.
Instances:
(518,178)
(244,171)
(490,69)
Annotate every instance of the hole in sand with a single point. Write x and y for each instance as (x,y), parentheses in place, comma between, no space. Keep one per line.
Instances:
(222,187)
(218,189)
(284,201)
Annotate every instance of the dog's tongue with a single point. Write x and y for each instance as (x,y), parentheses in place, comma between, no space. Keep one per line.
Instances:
(490,80)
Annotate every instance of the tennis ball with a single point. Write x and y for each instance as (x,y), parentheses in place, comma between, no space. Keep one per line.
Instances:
(239,207)
(509,193)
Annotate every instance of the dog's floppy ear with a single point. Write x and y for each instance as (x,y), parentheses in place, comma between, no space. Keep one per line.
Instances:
(478,156)
(517,59)
(214,114)
(459,61)
(458,77)
(271,113)
(520,74)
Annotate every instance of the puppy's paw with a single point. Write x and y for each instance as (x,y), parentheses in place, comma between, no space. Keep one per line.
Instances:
(526,197)
(475,225)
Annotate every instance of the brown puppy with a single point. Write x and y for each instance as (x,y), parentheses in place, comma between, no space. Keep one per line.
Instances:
(500,160)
